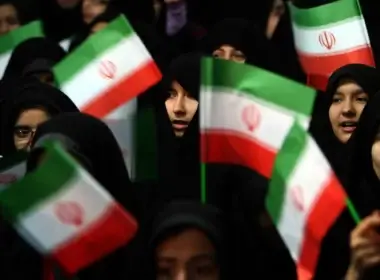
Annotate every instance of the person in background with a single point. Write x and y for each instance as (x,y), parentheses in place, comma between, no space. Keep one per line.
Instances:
(93,8)
(34,57)
(239,40)
(336,118)
(27,103)
(190,241)
(277,11)
(11,16)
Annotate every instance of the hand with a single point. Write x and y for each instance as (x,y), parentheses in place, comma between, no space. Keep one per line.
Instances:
(365,246)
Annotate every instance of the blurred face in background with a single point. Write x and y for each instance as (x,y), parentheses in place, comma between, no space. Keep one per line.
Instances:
(274,18)
(228,52)
(92,8)
(67,4)
(347,105)
(181,108)
(99,26)
(186,255)
(26,126)
(9,19)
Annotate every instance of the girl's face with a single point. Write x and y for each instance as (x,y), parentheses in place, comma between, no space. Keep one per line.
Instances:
(93,8)
(228,52)
(347,105)
(375,153)
(26,126)
(9,19)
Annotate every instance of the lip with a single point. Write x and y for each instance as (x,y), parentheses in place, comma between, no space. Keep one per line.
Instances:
(180,126)
(348,129)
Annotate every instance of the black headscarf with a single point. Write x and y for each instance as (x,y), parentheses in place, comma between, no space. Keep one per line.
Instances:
(25,94)
(33,56)
(179,156)
(367,78)
(245,36)
(186,214)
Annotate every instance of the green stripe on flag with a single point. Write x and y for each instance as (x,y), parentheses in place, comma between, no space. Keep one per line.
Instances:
(258,83)
(56,170)
(340,10)
(285,163)
(10,40)
(10,161)
(92,48)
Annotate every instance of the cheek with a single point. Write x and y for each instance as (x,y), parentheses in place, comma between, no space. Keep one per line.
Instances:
(376,153)
(169,105)
(193,107)
(333,114)
(359,108)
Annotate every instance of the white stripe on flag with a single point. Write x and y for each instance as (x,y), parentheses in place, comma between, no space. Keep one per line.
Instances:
(44,226)
(4,59)
(225,112)
(127,56)
(348,35)
(306,188)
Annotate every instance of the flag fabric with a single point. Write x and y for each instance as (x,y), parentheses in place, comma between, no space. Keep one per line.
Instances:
(304,199)
(65,214)
(107,70)
(246,113)
(12,168)
(330,36)
(11,39)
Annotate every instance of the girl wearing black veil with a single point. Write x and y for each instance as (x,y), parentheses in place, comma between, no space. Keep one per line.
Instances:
(26,104)
(93,145)
(34,57)
(338,110)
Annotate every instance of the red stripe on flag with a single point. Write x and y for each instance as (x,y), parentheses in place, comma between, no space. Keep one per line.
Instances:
(125,90)
(317,81)
(327,64)
(326,210)
(114,229)
(221,146)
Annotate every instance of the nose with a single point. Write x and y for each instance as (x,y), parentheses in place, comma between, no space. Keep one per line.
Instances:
(348,107)
(181,275)
(180,106)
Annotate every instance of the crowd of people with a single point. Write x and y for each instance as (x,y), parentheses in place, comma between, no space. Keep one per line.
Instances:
(179,236)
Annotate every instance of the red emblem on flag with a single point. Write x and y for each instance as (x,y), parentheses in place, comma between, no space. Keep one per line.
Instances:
(107,69)
(7,178)
(327,40)
(298,199)
(70,213)
(251,117)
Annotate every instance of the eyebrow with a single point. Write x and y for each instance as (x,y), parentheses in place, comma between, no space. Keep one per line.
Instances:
(357,91)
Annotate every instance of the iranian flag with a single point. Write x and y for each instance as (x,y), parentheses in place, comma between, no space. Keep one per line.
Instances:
(304,199)
(11,39)
(104,76)
(246,113)
(108,70)
(328,37)
(12,168)
(65,214)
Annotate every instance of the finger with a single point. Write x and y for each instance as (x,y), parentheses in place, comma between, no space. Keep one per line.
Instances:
(366,225)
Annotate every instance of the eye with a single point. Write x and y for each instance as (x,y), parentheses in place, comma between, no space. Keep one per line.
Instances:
(337,99)
(22,131)
(362,98)
(172,94)
(205,270)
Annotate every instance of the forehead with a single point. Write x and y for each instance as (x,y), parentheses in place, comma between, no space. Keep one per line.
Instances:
(7,9)
(227,48)
(348,86)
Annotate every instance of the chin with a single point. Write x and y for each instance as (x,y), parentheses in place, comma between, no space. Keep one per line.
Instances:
(178,133)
